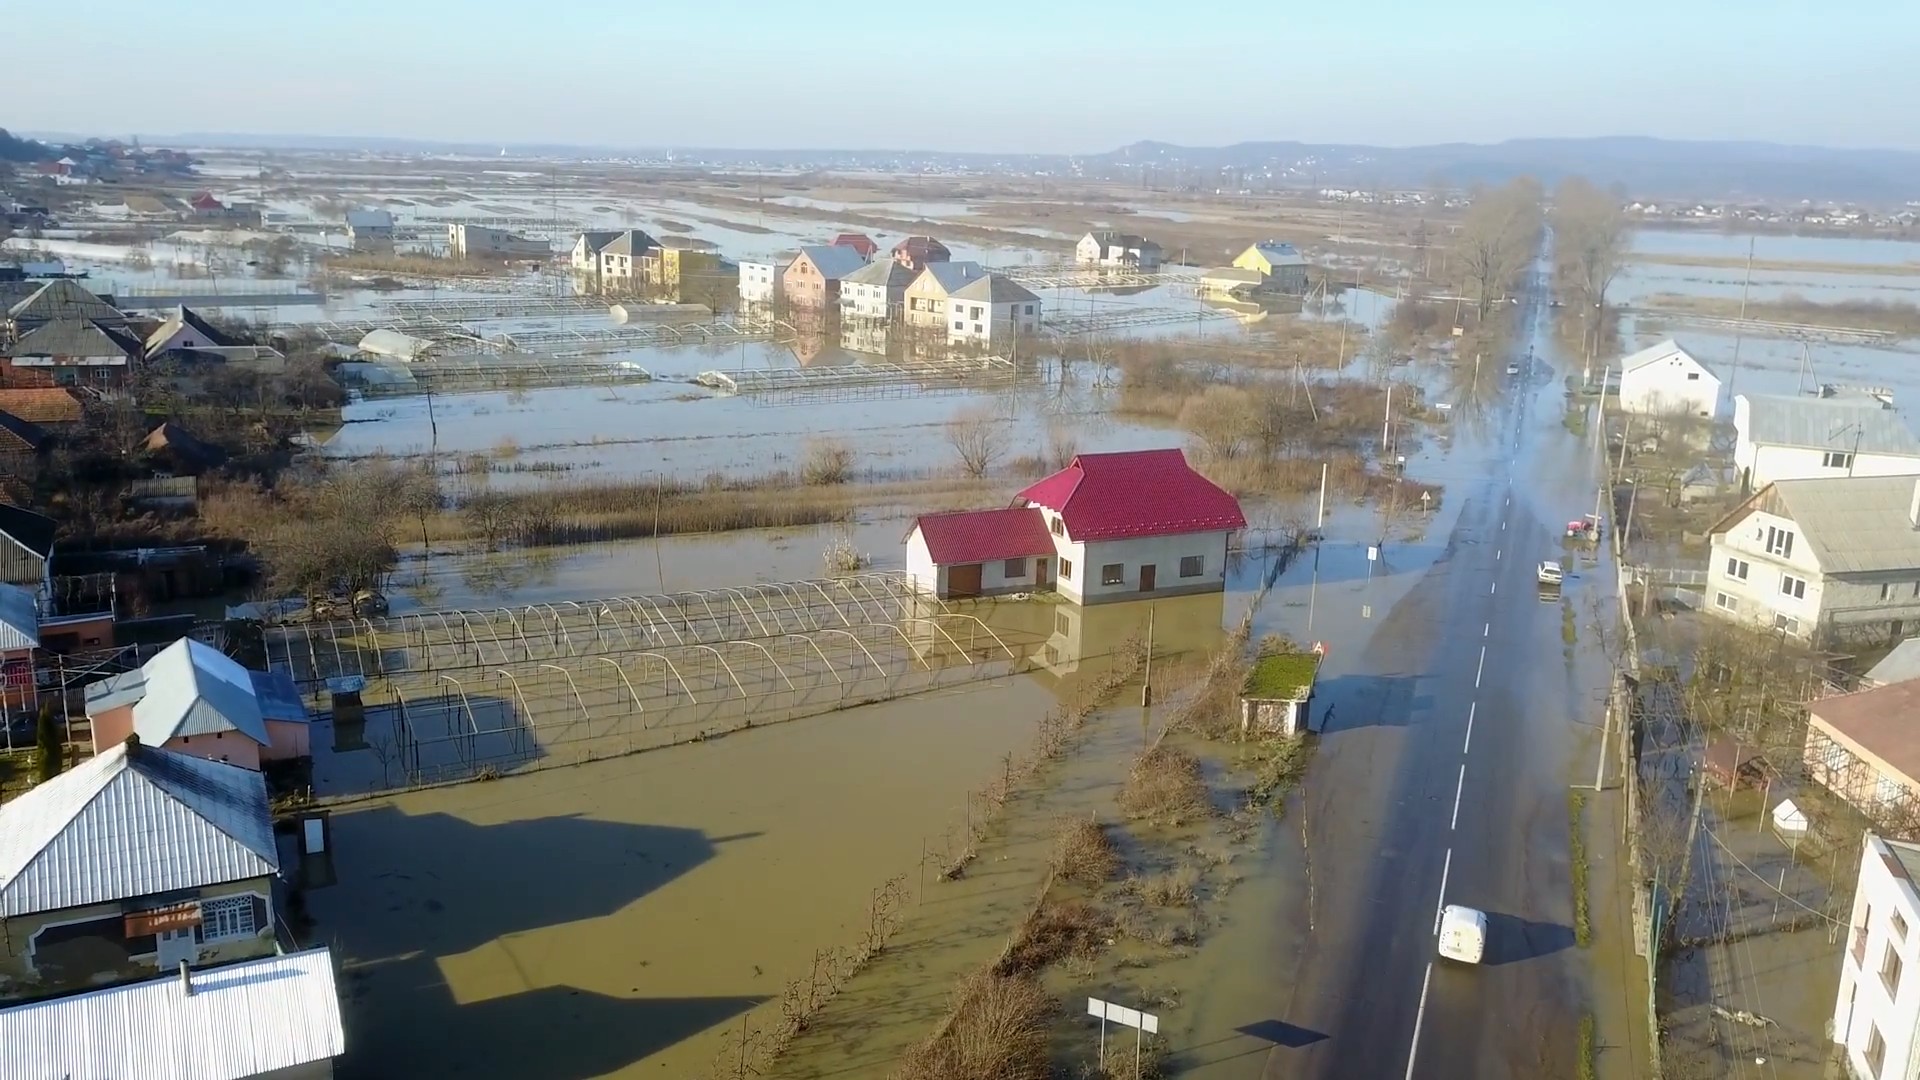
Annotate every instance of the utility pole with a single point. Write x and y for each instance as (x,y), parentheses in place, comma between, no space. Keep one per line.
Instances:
(1740,331)
(1321,518)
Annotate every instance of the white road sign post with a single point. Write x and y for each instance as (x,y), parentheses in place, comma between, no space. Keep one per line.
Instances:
(1142,1024)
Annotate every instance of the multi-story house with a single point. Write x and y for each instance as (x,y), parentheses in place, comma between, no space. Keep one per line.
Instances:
(762,280)
(876,292)
(993,311)
(1839,433)
(1830,561)
(812,281)
(926,298)
(1666,379)
(1117,251)
(1281,266)
(1876,1016)
(919,252)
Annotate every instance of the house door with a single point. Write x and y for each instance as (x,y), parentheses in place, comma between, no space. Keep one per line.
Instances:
(963,580)
(173,946)
(1043,573)
(1146,576)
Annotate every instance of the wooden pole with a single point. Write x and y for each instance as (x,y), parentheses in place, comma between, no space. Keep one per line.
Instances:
(1146,683)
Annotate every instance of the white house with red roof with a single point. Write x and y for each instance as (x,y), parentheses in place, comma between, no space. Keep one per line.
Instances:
(1108,527)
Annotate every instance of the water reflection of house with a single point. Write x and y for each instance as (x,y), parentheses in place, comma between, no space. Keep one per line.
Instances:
(1078,636)
(1245,310)
(818,350)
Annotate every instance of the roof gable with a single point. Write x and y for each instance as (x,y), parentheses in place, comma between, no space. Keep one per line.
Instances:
(42,405)
(1135,494)
(1884,721)
(594,241)
(972,536)
(1660,352)
(33,532)
(994,289)
(1851,525)
(834,263)
(64,298)
(132,822)
(75,337)
(19,619)
(882,272)
(632,243)
(185,318)
(944,278)
(193,689)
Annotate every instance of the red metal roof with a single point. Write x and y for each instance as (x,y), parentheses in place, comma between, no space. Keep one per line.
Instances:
(859,242)
(974,536)
(1135,494)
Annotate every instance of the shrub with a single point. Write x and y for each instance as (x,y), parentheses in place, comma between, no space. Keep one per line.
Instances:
(827,461)
(1165,786)
(1084,853)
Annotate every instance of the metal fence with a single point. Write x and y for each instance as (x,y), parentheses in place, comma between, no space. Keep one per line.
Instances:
(462,694)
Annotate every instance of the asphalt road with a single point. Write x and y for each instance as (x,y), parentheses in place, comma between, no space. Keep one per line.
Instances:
(1443,777)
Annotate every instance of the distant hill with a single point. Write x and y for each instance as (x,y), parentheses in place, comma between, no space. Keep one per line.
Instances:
(1644,167)
(1663,169)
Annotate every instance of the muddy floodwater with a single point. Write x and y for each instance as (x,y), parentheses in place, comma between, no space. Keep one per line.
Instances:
(603,920)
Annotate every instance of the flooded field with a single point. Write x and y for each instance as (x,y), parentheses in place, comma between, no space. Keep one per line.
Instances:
(633,911)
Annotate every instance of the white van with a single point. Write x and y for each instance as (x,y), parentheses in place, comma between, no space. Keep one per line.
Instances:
(1549,572)
(1463,934)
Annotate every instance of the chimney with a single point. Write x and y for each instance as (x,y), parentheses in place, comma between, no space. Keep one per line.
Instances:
(133,745)
(186,980)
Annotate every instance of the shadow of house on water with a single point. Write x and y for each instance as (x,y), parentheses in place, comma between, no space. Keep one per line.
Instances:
(417,890)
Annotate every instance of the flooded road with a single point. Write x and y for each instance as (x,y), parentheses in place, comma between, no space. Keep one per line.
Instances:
(1453,708)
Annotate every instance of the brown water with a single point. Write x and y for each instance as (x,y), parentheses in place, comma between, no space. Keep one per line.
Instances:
(628,917)
(603,920)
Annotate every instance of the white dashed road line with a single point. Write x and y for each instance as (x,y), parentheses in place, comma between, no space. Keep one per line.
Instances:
(1468,745)
(1477,672)
(1419,1017)
(1440,904)
(1459,789)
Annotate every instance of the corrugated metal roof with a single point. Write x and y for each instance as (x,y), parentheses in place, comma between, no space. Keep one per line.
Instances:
(632,243)
(952,275)
(994,289)
(19,619)
(1135,493)
(64,299)
(1657,352)
(279,698)
(1900,665)
(193,689)
(881,272)
(972,536)
(833,262)
(123,688)
(369,219)
(1828,424)
(75,337)
(1279,254)
(241,1020)
(1856,525)
(122,825)
(33,532)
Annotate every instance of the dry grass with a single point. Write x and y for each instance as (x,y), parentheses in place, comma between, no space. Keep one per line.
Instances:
(1891,316)
(998,1031)
(1084,852)
(1055,932)
(1178,887)
(1165,786)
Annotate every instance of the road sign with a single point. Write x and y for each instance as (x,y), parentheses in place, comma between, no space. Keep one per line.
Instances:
(1373,553)
(1426,498)
(1320,648)
(1139,1021)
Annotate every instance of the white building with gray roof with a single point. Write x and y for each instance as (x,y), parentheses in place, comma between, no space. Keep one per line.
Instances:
(1665,379)
(1797,437)
(1825,560)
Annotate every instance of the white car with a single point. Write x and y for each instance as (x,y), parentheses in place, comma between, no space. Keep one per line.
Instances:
(1550,573)
(1463,934)
(1513,369)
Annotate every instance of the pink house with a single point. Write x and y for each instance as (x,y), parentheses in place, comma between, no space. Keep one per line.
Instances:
(191,698)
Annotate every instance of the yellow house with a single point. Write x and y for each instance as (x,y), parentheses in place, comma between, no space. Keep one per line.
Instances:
(681,266)
(1282,265)
(128,866)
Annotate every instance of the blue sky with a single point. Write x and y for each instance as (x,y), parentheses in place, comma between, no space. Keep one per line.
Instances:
(986,75)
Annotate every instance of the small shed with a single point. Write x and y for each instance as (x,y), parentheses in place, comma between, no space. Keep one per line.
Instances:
(1277,696)
(1733,766)
(1789,820)
(396,345)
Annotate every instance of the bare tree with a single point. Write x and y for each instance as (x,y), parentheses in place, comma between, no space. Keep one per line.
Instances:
(1591,234)
(1497,237)
(1063,444)
(1222,418)
(978,441)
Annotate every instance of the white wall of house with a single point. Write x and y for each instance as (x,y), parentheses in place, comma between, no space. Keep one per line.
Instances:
(991,324)
(184,337)
(1089,251)
(1673,384)
(1764,572)
(1877,1012)
(760,281)
(996,575)
(863,300)
(1110,570)
(1761,464)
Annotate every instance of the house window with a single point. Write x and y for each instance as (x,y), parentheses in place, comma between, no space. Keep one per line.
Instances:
(1886,591)
(1725,602)
(1029,309)
(1014,568)
(1783,622)
(1066,569)
(1737,568)
(1113,574)
(1876,1050)
(1890,966)
(977,328)
(1193,565)
(959,326)
(227,918)
(1060,529)
(1836,459)
(1693,376)
(1061,624)
(1899,923)
(1793,586)
(1779,542)
(973,313)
